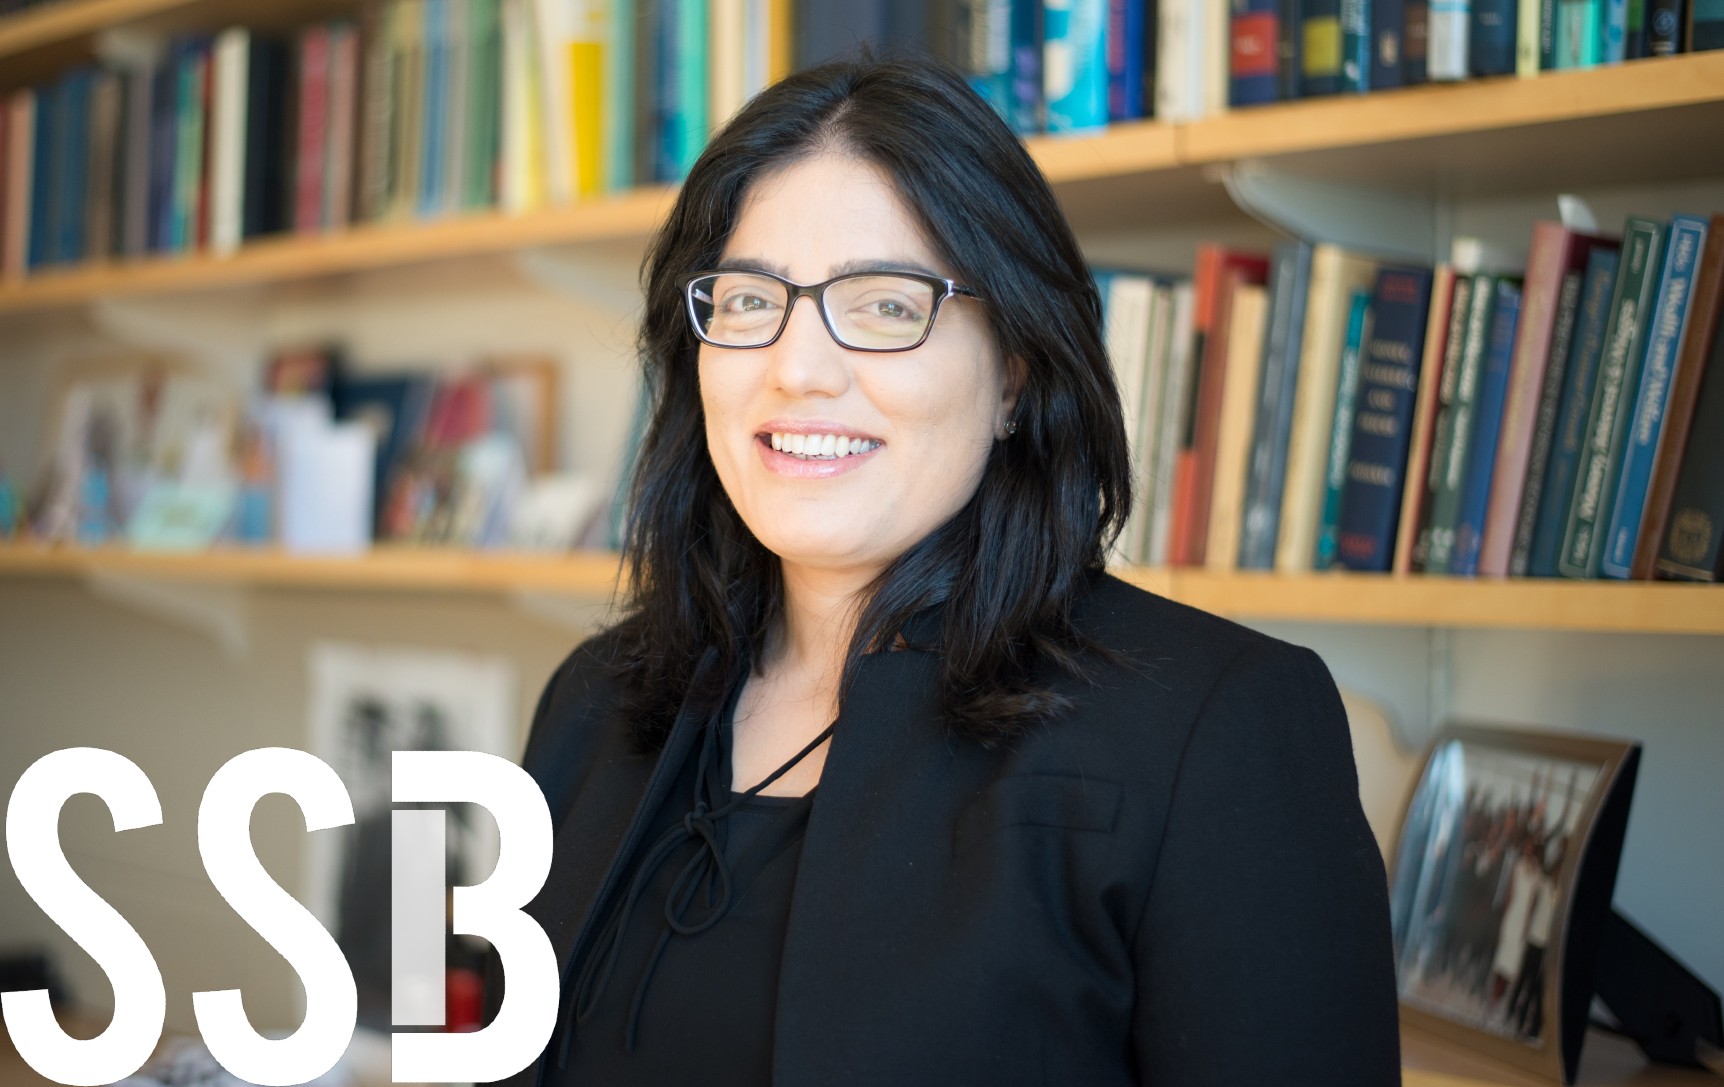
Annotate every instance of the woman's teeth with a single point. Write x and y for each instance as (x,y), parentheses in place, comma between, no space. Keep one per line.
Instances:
(821,446)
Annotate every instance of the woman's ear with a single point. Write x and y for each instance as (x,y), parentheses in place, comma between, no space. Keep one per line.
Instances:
(1016,374)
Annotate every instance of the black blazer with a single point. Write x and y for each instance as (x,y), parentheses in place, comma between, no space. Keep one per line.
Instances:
(1174,884)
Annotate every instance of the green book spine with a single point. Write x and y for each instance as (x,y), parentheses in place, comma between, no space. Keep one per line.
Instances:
(619,104)
(1618,379)
(188,151)
(1341,433)
(1451,461)
(484,118)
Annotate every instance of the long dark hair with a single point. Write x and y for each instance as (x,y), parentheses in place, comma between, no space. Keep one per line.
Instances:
(1008,566)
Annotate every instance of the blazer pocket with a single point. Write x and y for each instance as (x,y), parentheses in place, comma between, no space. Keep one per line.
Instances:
(1060,801)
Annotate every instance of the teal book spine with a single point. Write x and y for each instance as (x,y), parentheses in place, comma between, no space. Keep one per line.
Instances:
(1577,33)
(1074,68)
(1341,434)
(619,104)
(1618,381)
(689,49)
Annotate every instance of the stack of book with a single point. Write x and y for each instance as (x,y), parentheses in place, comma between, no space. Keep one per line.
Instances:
(1320,409)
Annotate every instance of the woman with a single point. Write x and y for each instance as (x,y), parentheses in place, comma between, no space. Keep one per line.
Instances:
(880,779)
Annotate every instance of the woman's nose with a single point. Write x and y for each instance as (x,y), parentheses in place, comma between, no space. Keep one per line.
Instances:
(806,360)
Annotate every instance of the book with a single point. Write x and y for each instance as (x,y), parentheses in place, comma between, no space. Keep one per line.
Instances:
(343,103)
(1124,43)
(1455,440)
(1126,326)
(1441,439)
(1705,28)
(1694,530)
(1219,271)
(618,120)
(1529,39)
(1335,275)
(1491,47)
(1074,64)
(1388,23)
(1450,37)
(311,140)
(1415,43)
(20,175)
(1487,409)
(1396,369)
(263,181)
(1320,39)
(1664,27)
(435,130)
(228,139)
(1266,471)
(684,117)
(1246,320)
(727,62)
(1253,62)
(1178,59)
(1697,341)
(1618,382)
(1175,402)
(1596,292)
(134,232)
(1613,32)
(1341,432)
(1288,46)
(1577,41)
(1669,318)
(72,160)
(1027,44)
(1543,434)
(1355,46)
(1557,255)
(589,40)
(101,198)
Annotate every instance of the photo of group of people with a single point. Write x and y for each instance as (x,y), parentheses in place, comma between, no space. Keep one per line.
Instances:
(1479,883)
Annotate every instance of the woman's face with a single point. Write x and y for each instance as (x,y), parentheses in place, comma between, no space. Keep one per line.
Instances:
(926,419)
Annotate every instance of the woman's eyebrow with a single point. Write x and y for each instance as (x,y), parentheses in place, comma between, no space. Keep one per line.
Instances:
(849,267)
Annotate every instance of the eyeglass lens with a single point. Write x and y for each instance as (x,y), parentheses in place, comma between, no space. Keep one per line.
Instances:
(741,309)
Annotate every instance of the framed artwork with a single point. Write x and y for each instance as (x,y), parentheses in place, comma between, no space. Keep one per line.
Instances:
(1500,888)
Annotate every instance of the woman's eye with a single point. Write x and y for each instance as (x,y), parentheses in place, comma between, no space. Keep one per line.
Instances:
(890,309)
(745,303)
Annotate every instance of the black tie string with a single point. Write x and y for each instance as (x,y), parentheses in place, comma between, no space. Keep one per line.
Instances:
(707,870)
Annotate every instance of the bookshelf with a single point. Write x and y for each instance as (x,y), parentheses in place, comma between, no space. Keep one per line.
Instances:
(1330,597)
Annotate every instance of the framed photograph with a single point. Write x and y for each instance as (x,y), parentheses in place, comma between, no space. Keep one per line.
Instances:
(1500,888)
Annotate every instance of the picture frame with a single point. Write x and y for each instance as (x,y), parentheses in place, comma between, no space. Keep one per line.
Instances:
(1509,836)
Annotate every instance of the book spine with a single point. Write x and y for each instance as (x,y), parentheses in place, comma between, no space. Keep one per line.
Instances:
(1449,37)
(1246,324)
(1266,469)
(1377,453)
(1320,40)
(1449,461)
(1547,261)
(1613,32)
(1491,45)
(1170,427)
(227,171)
(1289,64)
(1415,483)
(134,225)
(1618,381)
(20,148)
(311,143)
(1388,25)
(1253,58)
(164,144)
(1577,33)
(1663,27)
(1124,48)
(1527,37)
(587,61)
(1341,433)
(1669,321)
(1026,78)
(1596,293)
(1355,46)
(1691,535)
(188,150)
(618,106)
(1416,43)
(1547,17)
(1634,43)
(74,143)
(1700,339)
(100,205)
(1705,26)
(1488,410)
(691,61)
(1075,64)
(434,119)
(1544,426)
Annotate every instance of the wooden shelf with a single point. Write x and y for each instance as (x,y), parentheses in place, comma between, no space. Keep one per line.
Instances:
(1623,607)
(1605,1061)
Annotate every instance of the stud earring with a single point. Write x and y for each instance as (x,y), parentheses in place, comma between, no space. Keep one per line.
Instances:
(1011,427)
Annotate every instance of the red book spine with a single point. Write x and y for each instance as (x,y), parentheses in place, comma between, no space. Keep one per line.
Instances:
(313,130)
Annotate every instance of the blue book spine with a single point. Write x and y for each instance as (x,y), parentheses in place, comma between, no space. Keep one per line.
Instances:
(1388,25)
(1341,431)
(1600,285)
(434,118)
(1075,64)
(1491,48)
(1355,46)
(1613,31)
(1669,322)
(1475,493)
(1382,423)
(43,195)
(1255,66)
(666,136)
(1026,77)
(75,106)
(1125,60)
(164,119)
(1265,472)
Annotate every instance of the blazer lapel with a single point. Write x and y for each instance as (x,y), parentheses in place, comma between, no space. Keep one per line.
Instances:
(596,839)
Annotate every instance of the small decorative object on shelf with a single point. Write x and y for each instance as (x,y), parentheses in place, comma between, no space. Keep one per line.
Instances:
(1500,890)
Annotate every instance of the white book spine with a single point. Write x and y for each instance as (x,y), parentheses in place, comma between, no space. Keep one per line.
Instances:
(1181,365)
(1172,62)
(516,180)
(552,28)
(227,166)
(1449,26)
(726,64)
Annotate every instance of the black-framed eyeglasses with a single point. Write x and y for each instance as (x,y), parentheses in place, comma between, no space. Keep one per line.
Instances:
(864,311)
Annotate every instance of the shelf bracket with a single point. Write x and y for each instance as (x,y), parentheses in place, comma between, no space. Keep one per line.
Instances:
(1358,217)
(216,611)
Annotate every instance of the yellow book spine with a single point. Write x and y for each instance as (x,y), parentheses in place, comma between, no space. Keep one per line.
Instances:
(586,111)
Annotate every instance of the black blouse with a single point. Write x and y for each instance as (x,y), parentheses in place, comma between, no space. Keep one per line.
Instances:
(681,984)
